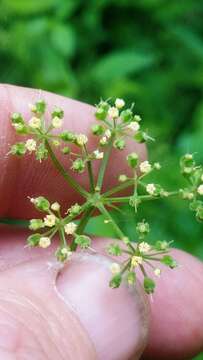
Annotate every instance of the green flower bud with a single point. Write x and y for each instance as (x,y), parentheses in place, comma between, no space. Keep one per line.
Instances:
(41,203)
(126,115)
(169,261)
(57,112)
(114,249)
(36,224)
(78,165)
(17,118)
(40,107)
(83,241)
(119,144)
(75,209)
(149,285)
(18,149)
(97,129)
(101,113)
(161,245)
(122,178)
(132,160)
(33,240)
(115,281)
(67,136)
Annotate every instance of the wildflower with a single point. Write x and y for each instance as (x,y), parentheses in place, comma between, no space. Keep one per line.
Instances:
(98,154)
(44,242)
(55,206)
(113,112)
(70,228)
(50,220)
(78,165)
(74,209)
(157,272)
(145,167)
(57,122)
(119,103)
(151,188)
(200,189)
(115,268)
(30,145)
(35,123)
(144,247)
(133,126)
(81,139)
(136,260)
(36,224)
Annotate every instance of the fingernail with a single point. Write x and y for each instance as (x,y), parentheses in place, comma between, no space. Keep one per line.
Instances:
(115,319)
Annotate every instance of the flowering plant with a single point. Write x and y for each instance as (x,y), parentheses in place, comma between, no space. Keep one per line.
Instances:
(115,123)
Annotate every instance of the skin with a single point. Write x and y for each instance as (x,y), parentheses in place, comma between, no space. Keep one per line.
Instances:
(48,312)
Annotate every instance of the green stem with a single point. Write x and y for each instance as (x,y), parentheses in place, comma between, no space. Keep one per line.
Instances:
(111,220)
(63,172)
(62,238)
(104,164)
(90,171)
(83,222)
(118,188)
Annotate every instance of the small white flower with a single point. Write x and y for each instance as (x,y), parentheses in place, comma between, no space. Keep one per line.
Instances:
(144,247)
(157,272)
(136,260)
(30,145)
(119,103)
(133,126)
(55,206)
(70,228)
(35,123)
(81,139)
(44,242)
(200,189)
(57,122)
(98,154)
(151,188)
(32,107)
(103,140)
(113,112)
(50,220)
(115,268)
(145,167)
(108,133)
(188,156)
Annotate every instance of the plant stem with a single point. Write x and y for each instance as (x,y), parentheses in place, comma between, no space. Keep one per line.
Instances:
(90,172)
(118,188)
(62,238)
(111,220)
(83,222)
(63,172)
(104,164)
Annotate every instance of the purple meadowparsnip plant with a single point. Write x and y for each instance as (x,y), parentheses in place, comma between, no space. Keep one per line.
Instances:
(115,123)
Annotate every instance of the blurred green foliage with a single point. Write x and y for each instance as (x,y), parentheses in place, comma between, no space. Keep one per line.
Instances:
(147,51)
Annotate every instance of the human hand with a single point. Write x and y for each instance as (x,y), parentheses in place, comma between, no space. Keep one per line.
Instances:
(49,313)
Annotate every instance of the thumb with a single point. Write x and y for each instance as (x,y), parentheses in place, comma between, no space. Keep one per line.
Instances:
(50,312)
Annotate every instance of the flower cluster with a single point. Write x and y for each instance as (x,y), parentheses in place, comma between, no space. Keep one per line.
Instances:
(116,123)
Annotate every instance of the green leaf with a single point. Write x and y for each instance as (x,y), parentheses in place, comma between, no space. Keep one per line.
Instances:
(28,6)
(121,64)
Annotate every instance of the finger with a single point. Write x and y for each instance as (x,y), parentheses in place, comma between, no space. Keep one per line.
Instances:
(25,177)
(85,319)
(176,310)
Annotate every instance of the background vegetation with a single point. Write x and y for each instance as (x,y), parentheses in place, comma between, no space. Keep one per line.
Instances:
(147,51)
